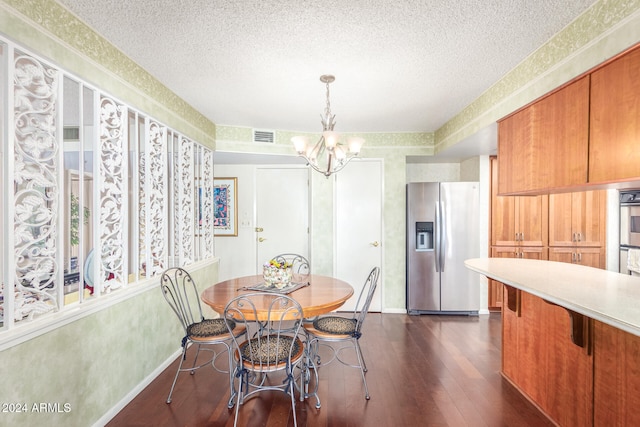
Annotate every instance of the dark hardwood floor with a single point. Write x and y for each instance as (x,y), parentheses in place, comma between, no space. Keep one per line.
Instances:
(423,371)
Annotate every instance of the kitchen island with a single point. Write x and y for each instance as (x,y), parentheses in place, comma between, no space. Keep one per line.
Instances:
(570,339)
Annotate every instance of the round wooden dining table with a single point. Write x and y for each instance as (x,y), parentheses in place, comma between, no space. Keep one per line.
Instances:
(322,294)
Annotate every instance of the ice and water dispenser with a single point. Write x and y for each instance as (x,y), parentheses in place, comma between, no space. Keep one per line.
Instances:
(424,236)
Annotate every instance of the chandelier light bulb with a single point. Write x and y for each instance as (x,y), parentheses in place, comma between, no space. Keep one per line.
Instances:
(330,139)
(300,144)
(355,144)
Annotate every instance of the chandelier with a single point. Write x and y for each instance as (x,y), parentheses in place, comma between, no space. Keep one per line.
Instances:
(328,155)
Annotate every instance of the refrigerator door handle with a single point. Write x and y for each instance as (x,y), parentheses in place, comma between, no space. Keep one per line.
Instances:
(436,244)
(443,236)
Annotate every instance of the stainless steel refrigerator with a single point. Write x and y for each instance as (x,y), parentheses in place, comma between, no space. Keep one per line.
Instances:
(442,232)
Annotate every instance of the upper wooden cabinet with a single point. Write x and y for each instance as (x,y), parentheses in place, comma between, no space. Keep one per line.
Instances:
(545,145)
(586,132)
(614,153)
(577,219)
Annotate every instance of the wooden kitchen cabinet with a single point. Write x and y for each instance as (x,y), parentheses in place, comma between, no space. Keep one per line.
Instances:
(615,120)
(578,219)
(546,144)
(541,360)
(569,370)
(494,301)
(517,220)
(495,297)
(590,257)
(616,377)
(534,252)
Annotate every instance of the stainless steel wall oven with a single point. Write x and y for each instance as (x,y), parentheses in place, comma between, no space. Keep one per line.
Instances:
(629,225)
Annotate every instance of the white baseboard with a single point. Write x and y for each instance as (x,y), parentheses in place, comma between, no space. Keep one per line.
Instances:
(394,311)
(136,390)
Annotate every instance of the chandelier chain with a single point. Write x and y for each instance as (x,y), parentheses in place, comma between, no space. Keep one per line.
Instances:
(327,110)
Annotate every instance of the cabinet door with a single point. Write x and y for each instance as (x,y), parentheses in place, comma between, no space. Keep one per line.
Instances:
(561,220)
(505,252)
(532,213)
(531,350)
(495,295)
(545,144)
(503,219)
(563,254)
(588,211)
(561,130)
(509,339)
(569,372)
(517,154)
(590,257)
(535,252)
(577,219)
(540,253)
(615,120)
(616,379)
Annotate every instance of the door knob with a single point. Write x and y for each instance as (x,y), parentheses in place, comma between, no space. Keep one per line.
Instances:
(375,244)
(261,239)
(259,229)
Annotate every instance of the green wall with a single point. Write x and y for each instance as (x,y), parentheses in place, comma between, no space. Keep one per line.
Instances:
(94,362)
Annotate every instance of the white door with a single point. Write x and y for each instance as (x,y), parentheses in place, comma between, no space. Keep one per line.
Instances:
(282,213)
(358,219)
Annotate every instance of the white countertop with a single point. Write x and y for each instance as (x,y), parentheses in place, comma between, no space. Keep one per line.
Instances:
(609,297)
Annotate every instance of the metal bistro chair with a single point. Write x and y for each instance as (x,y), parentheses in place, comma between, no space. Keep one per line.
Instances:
(299,265)
(274,349)
(180,292)
(301,270)
(333,328)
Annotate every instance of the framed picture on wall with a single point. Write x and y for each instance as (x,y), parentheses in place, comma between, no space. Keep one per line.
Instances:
(225,206)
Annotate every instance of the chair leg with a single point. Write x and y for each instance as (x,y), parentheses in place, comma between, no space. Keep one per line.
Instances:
(239,398)
(362,369)
(195,360)
(305,377)
(182,357)
(364,364)
(232,371)
(293,402)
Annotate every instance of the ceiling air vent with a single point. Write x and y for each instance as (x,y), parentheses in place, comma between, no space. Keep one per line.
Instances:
(260,135)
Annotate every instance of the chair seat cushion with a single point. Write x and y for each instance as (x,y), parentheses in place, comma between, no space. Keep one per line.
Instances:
(335,325)
(271,349)
(209,328)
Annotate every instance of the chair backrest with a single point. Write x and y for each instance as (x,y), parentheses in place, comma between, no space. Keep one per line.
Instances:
(181,293)
(300,265)
(365,297)
(280,317)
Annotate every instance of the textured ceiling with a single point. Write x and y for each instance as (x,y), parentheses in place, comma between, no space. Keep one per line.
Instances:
(400,66)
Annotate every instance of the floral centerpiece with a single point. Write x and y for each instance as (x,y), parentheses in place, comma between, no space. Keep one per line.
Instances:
(277,274)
